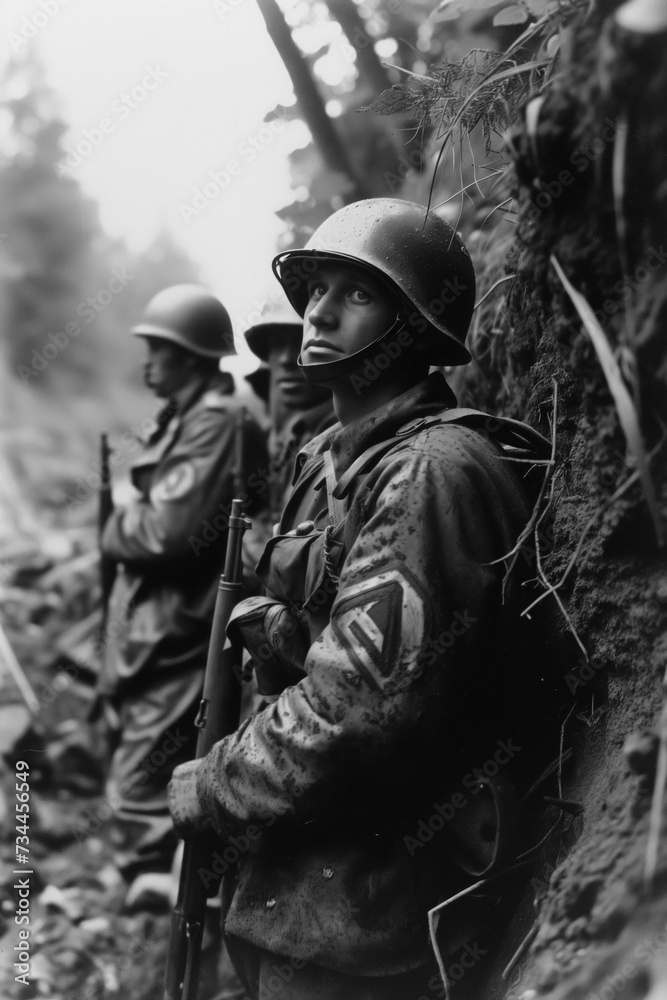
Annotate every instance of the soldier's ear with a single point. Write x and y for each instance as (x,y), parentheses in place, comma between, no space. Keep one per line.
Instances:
(191,361)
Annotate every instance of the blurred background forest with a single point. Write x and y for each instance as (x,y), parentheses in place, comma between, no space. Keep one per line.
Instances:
(70,289)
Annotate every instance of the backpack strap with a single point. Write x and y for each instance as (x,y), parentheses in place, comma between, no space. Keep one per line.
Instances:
(517,440)
(337,506)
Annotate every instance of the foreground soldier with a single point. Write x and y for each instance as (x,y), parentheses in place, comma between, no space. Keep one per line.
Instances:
(360,798)
(299,409)
(162,602)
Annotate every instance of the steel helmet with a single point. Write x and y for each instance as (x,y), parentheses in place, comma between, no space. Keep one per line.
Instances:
(259,381)
(422,257)
(191,317)
(274,316)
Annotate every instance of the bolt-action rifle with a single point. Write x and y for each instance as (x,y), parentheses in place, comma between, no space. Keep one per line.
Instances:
(218,717)
(105,509)
(239,445)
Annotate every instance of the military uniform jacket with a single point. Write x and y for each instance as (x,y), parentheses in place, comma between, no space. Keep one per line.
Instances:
(170,541)
(284,447)
(411,679)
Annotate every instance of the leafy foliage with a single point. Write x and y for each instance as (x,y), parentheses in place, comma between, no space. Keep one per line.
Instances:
(68,368)
(485,88)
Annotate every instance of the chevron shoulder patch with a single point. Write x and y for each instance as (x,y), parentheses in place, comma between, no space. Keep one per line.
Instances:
(381,624)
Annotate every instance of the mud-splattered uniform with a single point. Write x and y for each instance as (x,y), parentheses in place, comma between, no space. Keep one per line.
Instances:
(169,544)
(411,678)
(285,445)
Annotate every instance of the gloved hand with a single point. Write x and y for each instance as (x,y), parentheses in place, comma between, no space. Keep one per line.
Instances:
(186,812)
(276,640)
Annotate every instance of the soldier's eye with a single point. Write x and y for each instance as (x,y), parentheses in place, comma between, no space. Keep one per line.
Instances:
(315,290)
(360,295)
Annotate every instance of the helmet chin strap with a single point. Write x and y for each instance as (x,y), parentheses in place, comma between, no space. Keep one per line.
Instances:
(329,371)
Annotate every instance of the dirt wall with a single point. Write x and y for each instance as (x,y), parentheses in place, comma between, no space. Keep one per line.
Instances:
(589,165)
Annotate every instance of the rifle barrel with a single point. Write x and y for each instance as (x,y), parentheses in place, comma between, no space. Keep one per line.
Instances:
(105,510)
(218,717)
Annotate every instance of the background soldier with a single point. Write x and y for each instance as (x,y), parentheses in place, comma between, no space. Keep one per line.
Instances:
(169,544)
(299,409)
(360,798)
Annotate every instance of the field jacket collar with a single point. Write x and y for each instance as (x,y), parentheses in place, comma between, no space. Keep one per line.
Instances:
(346,444)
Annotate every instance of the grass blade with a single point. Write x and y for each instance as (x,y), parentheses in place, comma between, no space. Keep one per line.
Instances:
(625,407)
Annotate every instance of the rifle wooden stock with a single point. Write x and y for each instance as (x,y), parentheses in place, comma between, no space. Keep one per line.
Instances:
(218,717)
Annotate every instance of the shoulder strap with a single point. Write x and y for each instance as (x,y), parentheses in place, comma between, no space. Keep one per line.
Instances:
(337,506)
(511,435)
(518,441)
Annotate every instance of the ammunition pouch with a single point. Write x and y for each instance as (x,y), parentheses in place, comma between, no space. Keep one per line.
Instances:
(304,564)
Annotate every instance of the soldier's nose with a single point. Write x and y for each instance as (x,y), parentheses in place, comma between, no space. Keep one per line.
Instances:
(321,315)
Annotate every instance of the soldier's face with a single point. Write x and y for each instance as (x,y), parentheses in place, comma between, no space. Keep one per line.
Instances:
(289,388)
(168,367)
(347,310)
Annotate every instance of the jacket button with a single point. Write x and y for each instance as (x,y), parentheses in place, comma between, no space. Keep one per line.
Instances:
(270,903)
(327,872)
(304,528)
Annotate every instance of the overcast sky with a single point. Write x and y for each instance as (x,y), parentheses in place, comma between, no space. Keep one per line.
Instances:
(165,101)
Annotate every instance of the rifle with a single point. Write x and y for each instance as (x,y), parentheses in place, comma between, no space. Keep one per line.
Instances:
(105,509)
(218,717)
(239,441)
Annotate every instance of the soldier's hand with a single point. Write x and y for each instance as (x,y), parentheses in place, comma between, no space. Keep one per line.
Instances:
(186,813)
(276,640)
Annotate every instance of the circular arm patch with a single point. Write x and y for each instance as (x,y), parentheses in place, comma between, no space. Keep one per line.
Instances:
(177,482)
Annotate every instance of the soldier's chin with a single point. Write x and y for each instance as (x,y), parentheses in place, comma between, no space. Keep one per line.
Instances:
(157,389)
(294,390)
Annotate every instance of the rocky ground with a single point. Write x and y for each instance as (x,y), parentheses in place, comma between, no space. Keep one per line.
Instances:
(83,945)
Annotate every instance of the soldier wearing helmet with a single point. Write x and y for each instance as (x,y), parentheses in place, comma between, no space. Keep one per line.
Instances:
(168,543)
(299,409)
(363,795)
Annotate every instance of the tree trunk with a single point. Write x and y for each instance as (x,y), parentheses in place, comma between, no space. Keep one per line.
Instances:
(310,100)
(371,70)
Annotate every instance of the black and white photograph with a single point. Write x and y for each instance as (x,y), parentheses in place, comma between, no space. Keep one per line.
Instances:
(333,500)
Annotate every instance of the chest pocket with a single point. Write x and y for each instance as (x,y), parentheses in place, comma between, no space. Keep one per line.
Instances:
(302,569)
